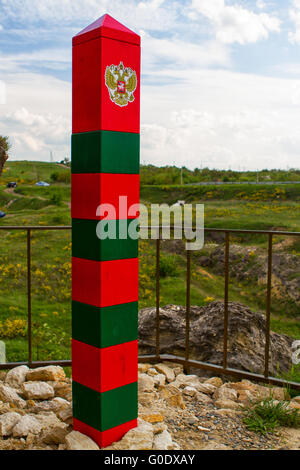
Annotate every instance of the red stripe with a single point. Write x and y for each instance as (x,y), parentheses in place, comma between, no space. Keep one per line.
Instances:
(105,283)
(89,190)
(104,369)
(104,438)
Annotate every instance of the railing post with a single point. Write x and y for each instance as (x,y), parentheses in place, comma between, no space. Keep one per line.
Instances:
(268,306)
(225,337)
(157,319)
(29,325)
(188,311)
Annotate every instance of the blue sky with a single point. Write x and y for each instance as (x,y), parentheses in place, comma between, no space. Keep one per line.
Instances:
(220,83)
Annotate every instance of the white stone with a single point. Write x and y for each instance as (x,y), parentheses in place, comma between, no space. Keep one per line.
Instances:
(66,414)
(27,424)
(203,399)
(77,441)
(163,441)
(7,422)
(55,373)
(145,383)
(225,393)
(37,390)
(9,395)
(49,420)
(15,377)
(52,405)
(139,438)
(166,370)
(190,391)
(159,379)
(208,389)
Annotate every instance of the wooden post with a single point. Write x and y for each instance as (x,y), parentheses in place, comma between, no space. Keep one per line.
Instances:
(105,166)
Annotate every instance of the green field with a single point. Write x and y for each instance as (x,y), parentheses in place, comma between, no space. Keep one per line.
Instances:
(235,206)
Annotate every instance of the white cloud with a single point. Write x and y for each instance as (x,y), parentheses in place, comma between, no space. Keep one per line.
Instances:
(234,23)
(152,14)
(294,13)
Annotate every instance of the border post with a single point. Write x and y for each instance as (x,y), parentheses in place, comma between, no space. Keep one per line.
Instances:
(105,166)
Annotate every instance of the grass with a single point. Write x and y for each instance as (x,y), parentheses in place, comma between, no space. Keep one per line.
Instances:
(51,257)
(267,415)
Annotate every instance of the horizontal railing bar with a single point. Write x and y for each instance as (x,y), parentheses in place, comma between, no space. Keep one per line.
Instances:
(222,230)
(35,227)
(173,227)
(221,370)
(34,364)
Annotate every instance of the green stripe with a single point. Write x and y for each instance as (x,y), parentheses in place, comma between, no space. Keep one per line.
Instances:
(104,326)
(106,152)
(105,410)
(86,244)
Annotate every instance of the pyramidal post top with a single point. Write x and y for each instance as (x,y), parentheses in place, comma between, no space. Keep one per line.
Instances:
(106,26)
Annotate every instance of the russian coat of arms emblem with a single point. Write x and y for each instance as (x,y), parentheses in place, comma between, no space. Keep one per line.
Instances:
(121,83)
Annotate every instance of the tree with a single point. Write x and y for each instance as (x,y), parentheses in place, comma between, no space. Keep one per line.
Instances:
(4,148)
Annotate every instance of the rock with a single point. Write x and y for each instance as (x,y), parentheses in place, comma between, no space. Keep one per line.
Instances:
(167,371)
(296,399)
(208,389)
(243,385)
(145,383)
(215,446)
(152,372)
(215,381)
(294,405)
(228,412)
(15,377)
(190,391)
(246,397)
(62,390)
(139,438)
(37,390)
(159,379)
(2,375)
(53,405)
(148,398)
(9,395)
(27,424)
(55,435)
(228,404)
(183,380)
(279,393)
(225,393)
(172,396)
(143,368)
(77,441)
(153,418)
(66,414)
(163,441)
(246,345)
(159,427)
(55,373)
(7,422)
(49,420)
(203,399)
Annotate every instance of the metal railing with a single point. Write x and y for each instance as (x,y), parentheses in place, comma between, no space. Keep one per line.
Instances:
(157,357)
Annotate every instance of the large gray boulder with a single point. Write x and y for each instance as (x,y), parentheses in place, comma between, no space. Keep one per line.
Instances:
(246,336)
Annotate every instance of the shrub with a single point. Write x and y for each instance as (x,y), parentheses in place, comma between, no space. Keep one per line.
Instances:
(265,416)
(167,266)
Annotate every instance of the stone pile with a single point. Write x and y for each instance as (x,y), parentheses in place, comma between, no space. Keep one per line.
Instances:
(176,411)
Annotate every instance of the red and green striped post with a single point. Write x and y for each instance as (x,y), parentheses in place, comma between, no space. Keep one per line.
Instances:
(105,166)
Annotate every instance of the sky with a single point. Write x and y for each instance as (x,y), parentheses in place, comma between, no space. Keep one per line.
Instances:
(220,79)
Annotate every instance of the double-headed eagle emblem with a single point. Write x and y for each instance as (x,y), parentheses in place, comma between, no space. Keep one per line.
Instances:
(121,83)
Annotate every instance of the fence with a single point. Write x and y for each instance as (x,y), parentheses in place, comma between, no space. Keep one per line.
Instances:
(157,357)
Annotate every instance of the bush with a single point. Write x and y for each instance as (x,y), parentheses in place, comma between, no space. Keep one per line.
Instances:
(265,416)
(167,266)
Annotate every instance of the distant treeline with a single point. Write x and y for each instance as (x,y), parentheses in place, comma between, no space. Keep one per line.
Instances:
(154,175)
